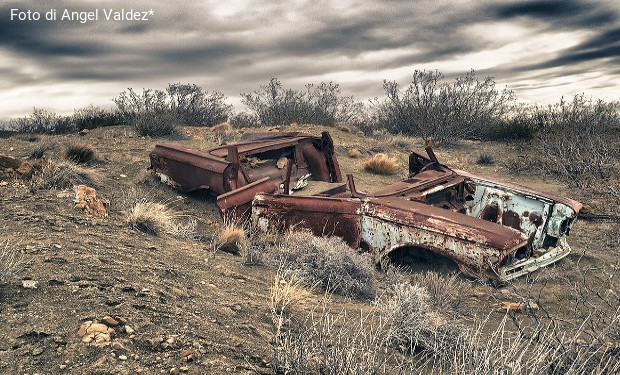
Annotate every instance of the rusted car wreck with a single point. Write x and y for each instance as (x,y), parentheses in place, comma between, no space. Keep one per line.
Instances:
(489,228)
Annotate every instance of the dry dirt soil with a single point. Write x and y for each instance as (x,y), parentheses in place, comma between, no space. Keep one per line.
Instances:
(191,309)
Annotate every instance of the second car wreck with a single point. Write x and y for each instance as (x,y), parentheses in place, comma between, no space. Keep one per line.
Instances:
(489,228)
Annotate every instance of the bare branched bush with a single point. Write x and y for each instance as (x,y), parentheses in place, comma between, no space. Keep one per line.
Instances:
(325,262)
(92,117)
(577,140)
(444,112)
(381,164)
(149,113)
(317,104)
(193,106)
(62,175)
(43,121)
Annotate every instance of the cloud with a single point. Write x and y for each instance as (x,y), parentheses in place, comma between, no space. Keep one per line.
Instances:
(236,46)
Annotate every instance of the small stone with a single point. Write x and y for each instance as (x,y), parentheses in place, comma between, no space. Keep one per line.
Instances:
(30,284)
(88,339)
(118,346)
(174,371)
(109,321)
(170,340)
(99,328)
(58,246)
(123,176)
(129,330)
(120,320)
(84,132)
(184,369)
(122,357)
(37,351)
(186,352)
(62,367)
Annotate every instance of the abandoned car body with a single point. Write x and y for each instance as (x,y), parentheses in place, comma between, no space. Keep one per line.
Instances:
(261,162)
(489,228)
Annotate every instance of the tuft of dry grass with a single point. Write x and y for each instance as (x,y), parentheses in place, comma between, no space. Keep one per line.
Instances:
(381,164)
(354,153)
(222,128)
(10,261)
(344,128)
(286,294)
(79,153)
(39,151)
(150,217)
(231,239)
(63,175)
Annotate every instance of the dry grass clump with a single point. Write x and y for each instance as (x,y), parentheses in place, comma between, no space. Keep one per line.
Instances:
(381,164)
(326,262)
(485,159)
(445,291)
(354,153)
(39,151)
(344,128)
(63,175)
(79,153)
(150,217)
(223,133)
(231,239)
(10,261)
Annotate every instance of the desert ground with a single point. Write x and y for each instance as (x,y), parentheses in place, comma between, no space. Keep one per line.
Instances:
(191,308)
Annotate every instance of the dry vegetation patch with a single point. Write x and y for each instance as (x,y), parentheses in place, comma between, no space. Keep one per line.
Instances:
(61,175)
(150,217)
(79,153)
(381,164)
(231,239)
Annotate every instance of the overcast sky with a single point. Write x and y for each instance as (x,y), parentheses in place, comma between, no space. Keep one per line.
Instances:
(543,50)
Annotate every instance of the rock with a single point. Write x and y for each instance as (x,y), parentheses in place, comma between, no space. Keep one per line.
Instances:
(184,369)
(30,284)
(83,132)
(99,328)
(109,321)
(120,320)
(174,371)
(25,170)
(37,351)
(86,199)
(122,357)
(186,352)
(9,162)
(129,330)
(118,346)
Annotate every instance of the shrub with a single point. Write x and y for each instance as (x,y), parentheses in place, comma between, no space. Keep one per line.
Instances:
(326,262)
(231,239)
(150,217)
(577,140)
(79,153)
(381,164)
(63,175)
(354,153)
(244,120)
(43,121)
(149,113)
(485,159)
(445,112)
(317,104)
(193,106)
(92,117)
(40,150)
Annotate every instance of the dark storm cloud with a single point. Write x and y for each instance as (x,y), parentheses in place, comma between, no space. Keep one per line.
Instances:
(564,13)
(238,49)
